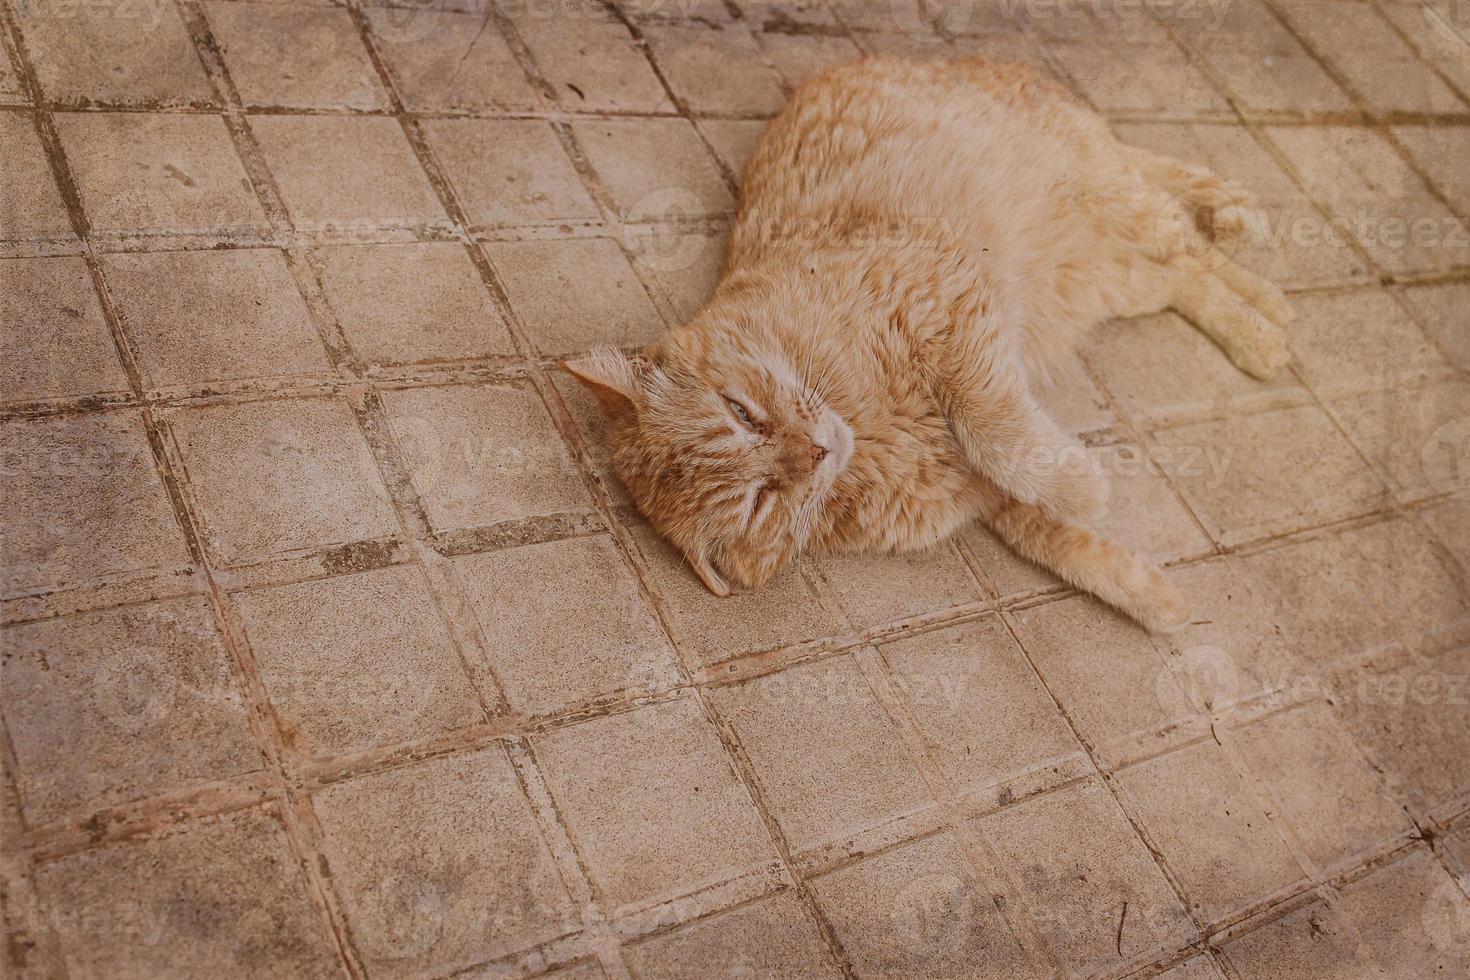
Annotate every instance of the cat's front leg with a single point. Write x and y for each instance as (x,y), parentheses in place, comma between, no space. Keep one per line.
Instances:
(1008,438)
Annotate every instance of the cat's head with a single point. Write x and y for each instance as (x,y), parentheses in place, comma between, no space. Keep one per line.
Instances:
(725,446)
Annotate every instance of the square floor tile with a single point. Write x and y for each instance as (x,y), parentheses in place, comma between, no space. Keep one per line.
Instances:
(12,88)
(510,171)
(449,61)
(1231,649)
(733,139)
(564,623)
(405,304)
(1364,50)
(196,317)
(1312,941)
(1294,248)
(786,611)
(1436,30)
(1143,512)
(984,715)
(1260,63)
(1388,348)
(1360,592)
(660,766)
(1449,521)
(440,864)
(295,56)
(918,910)
(774,937)
(1163,370)
(158,908)
(54,341)
(484,454)
(800,57)
(1003,572)
(883,588)
(1320,786)
(159,173)
(114,53)
(1269,473)
(1374,197)
(32,206)
(718,72)
(575,295)
(1416,436)
(1411,914)
(83,501)
(654,166)
(1107,73)
(342,172)
(830,763)
(1104,669)
(1076,860)
(1413,721)
(592,63)
(683,267)
(1073,400)
(105,708)
(357,661)
(1438,308)
(591,423)
(1205,822)
(271,477)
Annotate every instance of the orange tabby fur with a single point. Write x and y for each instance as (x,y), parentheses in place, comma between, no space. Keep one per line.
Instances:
(918,247)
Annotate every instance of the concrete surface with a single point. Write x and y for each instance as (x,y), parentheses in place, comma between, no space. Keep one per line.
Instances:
(331,647)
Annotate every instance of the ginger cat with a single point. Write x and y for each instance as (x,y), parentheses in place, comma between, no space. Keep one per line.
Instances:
(918,247)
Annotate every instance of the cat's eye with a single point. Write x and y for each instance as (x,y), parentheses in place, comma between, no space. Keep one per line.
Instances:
(743,414)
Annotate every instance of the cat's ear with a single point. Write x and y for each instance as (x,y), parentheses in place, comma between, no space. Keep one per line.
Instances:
(614,378)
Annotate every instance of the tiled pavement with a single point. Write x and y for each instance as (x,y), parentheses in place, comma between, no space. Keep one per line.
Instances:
(331,646)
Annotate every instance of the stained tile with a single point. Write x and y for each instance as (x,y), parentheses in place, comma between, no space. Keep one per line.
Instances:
(1438,150)
(105,708)
(1107,73)
(1143,512)
(1312,941)
(54,341)
(509,171)
(575,295)
(357,661)
(34,206)
(1076,860)
(295,56)
(1202,817)
(139,172)
(800,57)
(83,501)
(592,63)
(405,304)
(1414,435)
(479,455)
(879,589)
(1277,471)
(344,173)
(919,911)
(1321,786)
(156,908)
(1104,669)
(827,759)
(272,477)
(1439,309)
(1436,29)
(984,715)
(733,139)
(113,53)
(440,864)
(197,317)
(1412,915)
(654,166)
(774,937)
(659,766)
(1388,348)
(563,623)
(682,266)
(442,60)
(716,71)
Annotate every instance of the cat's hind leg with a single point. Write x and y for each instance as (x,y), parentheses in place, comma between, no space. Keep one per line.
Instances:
(1090,562)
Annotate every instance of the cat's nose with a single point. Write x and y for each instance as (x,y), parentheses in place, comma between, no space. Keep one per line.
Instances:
(819,453)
